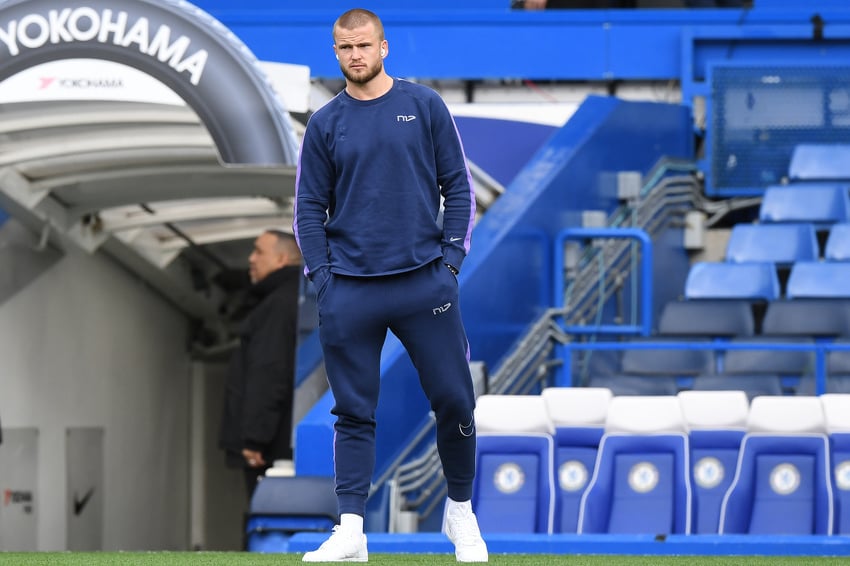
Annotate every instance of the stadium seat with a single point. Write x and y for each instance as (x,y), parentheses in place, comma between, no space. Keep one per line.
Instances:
(578,415)
(836,410)
(707,318)
(751,385)
(283,506)
(717,422)
(514,489)
(819,280)
(755,281)
(624,385)
(754,359)
(658,360)
(782,485)
(819,162)
(781,244)
(838,243)
(820,318)
(823,204)
(641,482)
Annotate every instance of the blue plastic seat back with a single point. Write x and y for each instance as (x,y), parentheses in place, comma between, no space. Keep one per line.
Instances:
(712,318)
(756,281)
(575,458)
(752,385)
(783,487)
(657,360)
(753,360)
(636,384)
(641,486)
(514,484)
(821,203)
(807,317)
(781,244)
(820,162)
(714,460)
(838,243)
(819,279)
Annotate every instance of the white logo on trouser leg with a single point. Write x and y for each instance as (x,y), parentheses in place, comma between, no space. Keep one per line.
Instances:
(442,309)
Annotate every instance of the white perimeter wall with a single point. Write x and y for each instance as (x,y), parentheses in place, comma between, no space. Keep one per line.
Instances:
(86,344)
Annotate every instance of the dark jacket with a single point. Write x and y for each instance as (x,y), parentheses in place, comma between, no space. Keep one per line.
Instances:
(260,381)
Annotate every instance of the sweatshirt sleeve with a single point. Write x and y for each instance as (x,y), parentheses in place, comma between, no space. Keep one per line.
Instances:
(455,185)
(314,182)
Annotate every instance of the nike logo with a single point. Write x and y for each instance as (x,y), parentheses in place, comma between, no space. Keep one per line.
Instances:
(467,430)
(79,504)
(455,239)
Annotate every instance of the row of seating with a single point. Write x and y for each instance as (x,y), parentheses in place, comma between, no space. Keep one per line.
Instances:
(759,281)
(719,318)
(583,460)
(785,244)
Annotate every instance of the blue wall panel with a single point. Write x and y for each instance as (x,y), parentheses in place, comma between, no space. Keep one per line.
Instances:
(506,282)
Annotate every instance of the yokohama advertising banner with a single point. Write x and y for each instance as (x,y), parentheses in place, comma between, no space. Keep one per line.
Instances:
(172,41)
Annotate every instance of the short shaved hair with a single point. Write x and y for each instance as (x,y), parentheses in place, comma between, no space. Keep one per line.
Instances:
(359,17)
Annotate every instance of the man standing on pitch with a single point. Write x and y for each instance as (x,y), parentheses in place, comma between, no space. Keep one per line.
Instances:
(374,163)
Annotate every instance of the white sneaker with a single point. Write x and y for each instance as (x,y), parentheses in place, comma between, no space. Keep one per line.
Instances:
(461,527)
(342,546)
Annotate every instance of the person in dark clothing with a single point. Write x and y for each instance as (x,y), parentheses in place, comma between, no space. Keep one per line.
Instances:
(256,427)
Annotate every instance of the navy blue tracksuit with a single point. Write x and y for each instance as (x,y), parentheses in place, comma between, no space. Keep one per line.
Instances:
(373,177)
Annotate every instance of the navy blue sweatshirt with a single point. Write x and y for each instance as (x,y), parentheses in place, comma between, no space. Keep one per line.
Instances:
(368,185)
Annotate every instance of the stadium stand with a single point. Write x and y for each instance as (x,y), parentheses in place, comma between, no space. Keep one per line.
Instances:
(716,422)
(641,484)
(782,485)
(514,488)
(578,415)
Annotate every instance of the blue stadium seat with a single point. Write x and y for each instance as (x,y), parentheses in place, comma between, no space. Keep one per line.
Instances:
(836,410)
(781,244)
(641,484)
(750,359)
(514,488)
(819,280)
(819,203)
(838,243)
(578,415)
(661,361)
(756,281)
(717,422)
(283,506)
(751,385)
(820,162)
(783,485)
(621,384)
(707,318)
(824,318)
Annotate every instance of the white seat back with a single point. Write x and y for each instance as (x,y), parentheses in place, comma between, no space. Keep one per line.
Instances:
(786,415)
(506,414)
(714,410)
(577,406)
(644,414)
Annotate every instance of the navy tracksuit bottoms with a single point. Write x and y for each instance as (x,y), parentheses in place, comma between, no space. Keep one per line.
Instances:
(421,308)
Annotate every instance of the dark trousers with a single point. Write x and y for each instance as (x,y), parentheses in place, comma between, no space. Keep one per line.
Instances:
(421,308)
